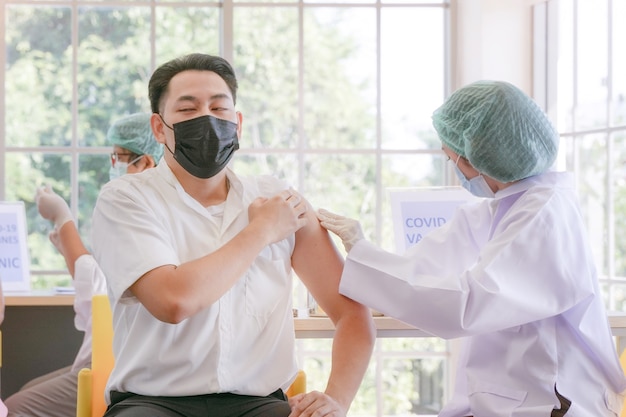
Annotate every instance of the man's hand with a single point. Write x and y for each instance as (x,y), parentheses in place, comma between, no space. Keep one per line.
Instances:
(278,216)
(51,206)
(349,230)
(316,404)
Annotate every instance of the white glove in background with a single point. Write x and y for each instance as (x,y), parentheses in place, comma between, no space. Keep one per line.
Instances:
(348,230)
(51,206)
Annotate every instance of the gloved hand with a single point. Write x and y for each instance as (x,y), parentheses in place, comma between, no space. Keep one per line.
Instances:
(348,230)
(51,206)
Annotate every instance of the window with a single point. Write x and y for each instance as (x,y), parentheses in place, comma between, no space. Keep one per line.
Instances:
(590,112)
(325,89)
(336,99)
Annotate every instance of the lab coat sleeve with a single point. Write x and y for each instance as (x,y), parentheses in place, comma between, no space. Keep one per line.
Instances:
(379,279)
(88,280)
(538,265)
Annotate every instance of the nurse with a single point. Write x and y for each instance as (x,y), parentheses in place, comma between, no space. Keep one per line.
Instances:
(512,275)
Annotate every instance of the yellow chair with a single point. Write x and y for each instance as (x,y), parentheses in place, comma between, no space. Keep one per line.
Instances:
(298,386)
(622,360)
(92,382)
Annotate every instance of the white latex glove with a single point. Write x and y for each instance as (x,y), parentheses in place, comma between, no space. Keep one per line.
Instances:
(51,206)
(348,230)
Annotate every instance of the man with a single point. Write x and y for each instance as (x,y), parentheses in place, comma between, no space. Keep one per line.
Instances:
(199,266)
(54,394)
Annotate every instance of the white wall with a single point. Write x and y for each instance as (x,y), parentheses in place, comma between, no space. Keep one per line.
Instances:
(494,39)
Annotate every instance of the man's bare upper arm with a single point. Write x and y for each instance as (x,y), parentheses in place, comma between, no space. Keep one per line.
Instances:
(319,264)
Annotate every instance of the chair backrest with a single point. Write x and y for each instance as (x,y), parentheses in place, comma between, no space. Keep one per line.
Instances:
(298,386)
(102,359)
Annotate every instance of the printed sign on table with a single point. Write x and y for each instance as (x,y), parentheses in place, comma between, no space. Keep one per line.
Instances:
(14,259)
(418,211)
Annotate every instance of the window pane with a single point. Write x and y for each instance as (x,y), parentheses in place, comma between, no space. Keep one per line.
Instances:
(339,1)
(414,170)
(591,168)
(340,77)
(619,203)
(283,166)
(113,75)
(25,173)
(344,184)
(94,173)
(269,1)
(190,1)
(406,384)
(619,63)
(619,296)
(427,2)
(49,281)
(412,76)
(565,79)
(182,30)
(38,76)
(414,386)
(266,63)
(592,71)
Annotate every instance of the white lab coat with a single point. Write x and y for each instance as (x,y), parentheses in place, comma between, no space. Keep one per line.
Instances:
(515,277)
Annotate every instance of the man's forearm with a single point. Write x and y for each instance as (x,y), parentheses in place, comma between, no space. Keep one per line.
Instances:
(352,349)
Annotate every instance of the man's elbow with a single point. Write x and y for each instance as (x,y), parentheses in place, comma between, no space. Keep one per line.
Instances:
(371,327)
(360,318)
(170,311)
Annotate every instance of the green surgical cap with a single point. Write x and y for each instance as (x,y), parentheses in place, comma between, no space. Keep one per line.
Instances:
(134,133)
(500,130)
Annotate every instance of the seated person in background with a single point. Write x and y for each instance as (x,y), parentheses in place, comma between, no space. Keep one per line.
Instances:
(54,394)
(199,270)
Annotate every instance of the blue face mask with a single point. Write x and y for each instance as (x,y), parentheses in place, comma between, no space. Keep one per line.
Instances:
(120,168)
(477,185)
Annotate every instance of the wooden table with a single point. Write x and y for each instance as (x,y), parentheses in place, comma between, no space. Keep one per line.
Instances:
(306,327)
(39,336)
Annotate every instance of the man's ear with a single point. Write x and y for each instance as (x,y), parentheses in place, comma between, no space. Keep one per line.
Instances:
(157,126)
(239,124)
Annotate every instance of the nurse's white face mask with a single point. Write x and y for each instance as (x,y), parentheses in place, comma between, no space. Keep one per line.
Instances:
(119,168)
(477,185)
